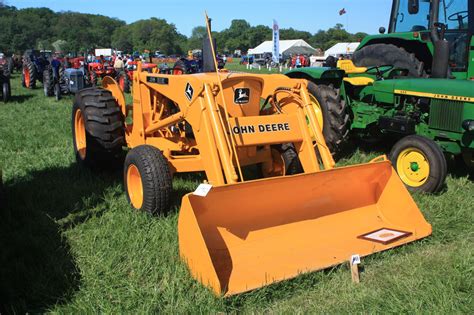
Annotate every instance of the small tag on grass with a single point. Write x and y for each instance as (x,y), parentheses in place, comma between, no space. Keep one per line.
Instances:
(354,262)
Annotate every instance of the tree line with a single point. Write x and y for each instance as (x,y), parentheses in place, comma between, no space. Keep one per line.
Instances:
(42,28)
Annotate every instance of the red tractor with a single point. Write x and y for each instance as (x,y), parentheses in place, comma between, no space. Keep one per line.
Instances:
(125,78)
(77,62)
(100,68)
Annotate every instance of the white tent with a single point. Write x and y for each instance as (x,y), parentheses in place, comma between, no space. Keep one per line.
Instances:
(341,49)
(287,47)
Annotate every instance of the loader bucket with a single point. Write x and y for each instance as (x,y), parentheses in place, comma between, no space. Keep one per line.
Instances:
(244,236)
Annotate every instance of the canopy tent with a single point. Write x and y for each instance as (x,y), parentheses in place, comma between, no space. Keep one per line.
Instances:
(287,47)
(341,49)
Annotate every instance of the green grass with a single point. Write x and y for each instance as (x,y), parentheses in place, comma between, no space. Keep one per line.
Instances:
(71,244)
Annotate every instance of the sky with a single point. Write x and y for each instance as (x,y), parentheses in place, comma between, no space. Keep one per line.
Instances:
(306,15)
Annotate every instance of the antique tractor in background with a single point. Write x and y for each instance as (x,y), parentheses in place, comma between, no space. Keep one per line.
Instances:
(100,68)
(125,78)
(5,72)
(35,62)
(65,76)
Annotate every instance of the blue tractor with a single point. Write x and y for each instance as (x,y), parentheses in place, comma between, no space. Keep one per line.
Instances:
(35,62)
(60,78)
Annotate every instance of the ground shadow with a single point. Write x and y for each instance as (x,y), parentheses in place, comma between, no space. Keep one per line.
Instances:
(22,98)
(37,269)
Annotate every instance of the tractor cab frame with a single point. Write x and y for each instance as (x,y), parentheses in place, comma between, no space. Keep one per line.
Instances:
(421,26)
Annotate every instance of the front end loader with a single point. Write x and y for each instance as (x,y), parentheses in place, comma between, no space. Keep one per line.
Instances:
(293,214)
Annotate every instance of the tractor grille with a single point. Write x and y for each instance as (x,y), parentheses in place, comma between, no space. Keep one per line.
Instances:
(446,115)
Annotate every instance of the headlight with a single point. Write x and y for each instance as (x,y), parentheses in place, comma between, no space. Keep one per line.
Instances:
(468,125)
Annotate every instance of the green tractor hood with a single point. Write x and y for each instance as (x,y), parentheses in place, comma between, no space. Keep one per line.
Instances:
(447,89)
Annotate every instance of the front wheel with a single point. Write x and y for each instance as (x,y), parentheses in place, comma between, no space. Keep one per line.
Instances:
(148,180)
(420,163)
(57,91)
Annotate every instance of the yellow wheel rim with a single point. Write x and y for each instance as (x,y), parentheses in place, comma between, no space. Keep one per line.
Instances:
(317,110)
(135,186)
(413,167)
(80,134)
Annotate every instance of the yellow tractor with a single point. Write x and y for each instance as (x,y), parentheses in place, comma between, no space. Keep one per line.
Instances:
(237,233)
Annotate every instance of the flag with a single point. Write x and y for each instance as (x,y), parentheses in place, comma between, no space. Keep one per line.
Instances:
(276,43)
(343,11)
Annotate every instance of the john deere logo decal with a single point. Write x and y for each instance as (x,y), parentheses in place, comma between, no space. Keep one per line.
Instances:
(189,92)
(241,96)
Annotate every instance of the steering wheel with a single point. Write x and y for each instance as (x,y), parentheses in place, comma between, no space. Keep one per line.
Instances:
(455,16)
(380,70)
(459,16)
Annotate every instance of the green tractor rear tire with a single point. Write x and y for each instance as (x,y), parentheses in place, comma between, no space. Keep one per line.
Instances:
(335,113)
(388,54)
(420,163)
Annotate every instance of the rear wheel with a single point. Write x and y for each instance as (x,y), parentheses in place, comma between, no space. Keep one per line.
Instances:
(124,82)
(333,115)
(98,128)
(6,91)
(57,91)
(420,163)
(29,75)
(388,54)
(148,180)
(93,78)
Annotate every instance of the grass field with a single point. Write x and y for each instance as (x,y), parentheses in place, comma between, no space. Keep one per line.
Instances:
(71,244)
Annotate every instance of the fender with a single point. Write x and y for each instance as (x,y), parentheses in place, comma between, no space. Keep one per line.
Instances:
(316,74)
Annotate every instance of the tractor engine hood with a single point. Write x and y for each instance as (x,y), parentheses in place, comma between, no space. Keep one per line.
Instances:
(453,90)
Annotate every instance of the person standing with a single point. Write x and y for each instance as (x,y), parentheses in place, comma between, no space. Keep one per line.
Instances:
(118,64)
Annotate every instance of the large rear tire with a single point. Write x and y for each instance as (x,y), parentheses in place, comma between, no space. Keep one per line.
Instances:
(6,91)
(148,180)
(93,78)
(388,54)
(420,163)
(124,82)
(335,116)
(29,75)
(97,127)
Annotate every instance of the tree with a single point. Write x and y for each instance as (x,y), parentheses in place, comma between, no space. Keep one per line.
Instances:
(77,32)
(197,35)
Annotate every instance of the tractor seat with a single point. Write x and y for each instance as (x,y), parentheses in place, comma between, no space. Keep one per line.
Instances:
(349,67)
(359,81)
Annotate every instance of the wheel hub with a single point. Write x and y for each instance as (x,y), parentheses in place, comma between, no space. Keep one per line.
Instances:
(413,167)
(134,186)
(80,134)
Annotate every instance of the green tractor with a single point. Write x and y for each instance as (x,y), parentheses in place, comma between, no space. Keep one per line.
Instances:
(414,85)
